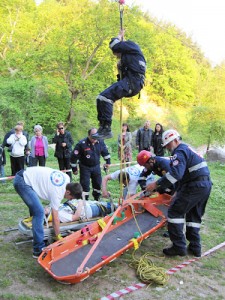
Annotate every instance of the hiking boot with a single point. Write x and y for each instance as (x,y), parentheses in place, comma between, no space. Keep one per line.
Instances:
(104,132)
(196,252)
(172,251)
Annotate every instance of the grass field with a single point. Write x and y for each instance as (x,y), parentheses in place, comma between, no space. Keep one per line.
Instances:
(21,278)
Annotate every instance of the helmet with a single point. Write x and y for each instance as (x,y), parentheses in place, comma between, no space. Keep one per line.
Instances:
(143,157)
(168,136)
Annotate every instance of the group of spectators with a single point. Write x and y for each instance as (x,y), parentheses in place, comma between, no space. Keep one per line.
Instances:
(146,139)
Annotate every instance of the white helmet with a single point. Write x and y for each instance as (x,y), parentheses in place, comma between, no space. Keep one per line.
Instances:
(168,136)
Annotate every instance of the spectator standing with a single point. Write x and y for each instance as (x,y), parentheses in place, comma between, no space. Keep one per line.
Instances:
(88,152)
(5,144)
(144,138)
(126,144)
(157,140)
(190,173)
(37,183)
(38,147)
(2,163)
(17,141)
(63,148)
(132,67)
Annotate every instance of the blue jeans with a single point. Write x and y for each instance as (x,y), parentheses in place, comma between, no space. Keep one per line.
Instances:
(2,173)
(36,209)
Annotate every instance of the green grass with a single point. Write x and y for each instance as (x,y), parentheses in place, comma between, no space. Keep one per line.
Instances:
(22,278)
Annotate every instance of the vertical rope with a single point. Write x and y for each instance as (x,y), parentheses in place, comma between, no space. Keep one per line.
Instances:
(121,9)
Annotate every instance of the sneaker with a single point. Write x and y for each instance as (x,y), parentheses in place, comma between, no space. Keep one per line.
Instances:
(37,254)
(172,251)
(195,252)
(103,133)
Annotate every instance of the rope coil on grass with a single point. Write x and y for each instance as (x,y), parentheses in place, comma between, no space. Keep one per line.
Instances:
(147,272)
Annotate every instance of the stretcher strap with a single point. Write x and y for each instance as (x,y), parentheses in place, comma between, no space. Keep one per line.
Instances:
(101,223)
(81,267)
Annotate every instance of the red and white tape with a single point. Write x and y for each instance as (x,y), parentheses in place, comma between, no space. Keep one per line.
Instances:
(171,271)
(125,291)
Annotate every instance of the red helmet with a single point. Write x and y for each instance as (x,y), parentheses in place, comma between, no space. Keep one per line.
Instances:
(143,157)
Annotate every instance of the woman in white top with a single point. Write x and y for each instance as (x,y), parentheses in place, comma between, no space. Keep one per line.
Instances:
(17,141)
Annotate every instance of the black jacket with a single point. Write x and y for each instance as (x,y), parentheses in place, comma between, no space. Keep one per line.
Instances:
(88,154)
(61,151)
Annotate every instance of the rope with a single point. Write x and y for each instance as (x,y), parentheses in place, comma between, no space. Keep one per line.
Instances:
(147,272)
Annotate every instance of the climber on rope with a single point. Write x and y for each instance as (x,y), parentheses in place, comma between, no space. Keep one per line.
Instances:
(131,67)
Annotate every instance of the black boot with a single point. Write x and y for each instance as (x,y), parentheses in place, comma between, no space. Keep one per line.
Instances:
(104,132)
(173,251)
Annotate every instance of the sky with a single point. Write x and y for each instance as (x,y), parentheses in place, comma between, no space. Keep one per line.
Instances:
(202,20)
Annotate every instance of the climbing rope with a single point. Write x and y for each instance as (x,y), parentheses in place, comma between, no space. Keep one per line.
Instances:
(147,272)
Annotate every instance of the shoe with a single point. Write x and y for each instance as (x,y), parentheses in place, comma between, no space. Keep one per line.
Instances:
(37,254)
(103,133)
(172,251)
(195,252)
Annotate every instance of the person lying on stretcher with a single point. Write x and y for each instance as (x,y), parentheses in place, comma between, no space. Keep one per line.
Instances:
(78,209)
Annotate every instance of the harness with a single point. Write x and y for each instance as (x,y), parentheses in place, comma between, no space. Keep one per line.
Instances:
(73,207)
(103,210)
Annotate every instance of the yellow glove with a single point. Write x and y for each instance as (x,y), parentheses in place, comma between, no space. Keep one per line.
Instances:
(57,237)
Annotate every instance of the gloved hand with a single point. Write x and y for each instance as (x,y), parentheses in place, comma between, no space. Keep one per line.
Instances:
(57,237)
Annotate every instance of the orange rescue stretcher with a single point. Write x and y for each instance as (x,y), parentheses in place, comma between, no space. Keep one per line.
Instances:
(77,256)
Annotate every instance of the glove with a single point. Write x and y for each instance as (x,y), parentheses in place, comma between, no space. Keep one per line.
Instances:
(58,237)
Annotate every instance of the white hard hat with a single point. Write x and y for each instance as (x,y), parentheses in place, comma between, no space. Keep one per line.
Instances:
(168,136)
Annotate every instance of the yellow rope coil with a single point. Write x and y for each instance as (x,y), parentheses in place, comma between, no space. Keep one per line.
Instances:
(147,272)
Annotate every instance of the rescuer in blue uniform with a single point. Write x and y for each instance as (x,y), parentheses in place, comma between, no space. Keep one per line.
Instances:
(89,151)
(132,67)
(156,165)
(191,175)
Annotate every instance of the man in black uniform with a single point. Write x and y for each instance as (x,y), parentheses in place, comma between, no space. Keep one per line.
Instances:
(191,175)
(132,67)
(88,151)
(156,164)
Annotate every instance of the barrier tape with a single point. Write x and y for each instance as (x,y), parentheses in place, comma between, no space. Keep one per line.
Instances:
(70,170)
(171,271)
(12,177)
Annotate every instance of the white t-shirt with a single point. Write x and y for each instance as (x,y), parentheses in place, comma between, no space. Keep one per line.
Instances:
(134,173)
(66,213)
(48,183)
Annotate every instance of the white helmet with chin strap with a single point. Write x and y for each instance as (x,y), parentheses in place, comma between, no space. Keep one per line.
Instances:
(168,136)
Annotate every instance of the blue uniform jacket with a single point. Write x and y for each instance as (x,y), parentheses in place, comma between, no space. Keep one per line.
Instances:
(89,154)
(186,166)
(132,58)
(160,168)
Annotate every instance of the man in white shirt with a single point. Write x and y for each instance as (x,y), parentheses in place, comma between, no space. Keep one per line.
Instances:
(37,183)
(130,176)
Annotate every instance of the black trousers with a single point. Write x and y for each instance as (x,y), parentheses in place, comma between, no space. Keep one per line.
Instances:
(17,164)
(92,174)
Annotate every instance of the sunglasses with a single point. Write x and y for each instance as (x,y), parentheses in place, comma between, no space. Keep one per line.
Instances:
(61,128)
